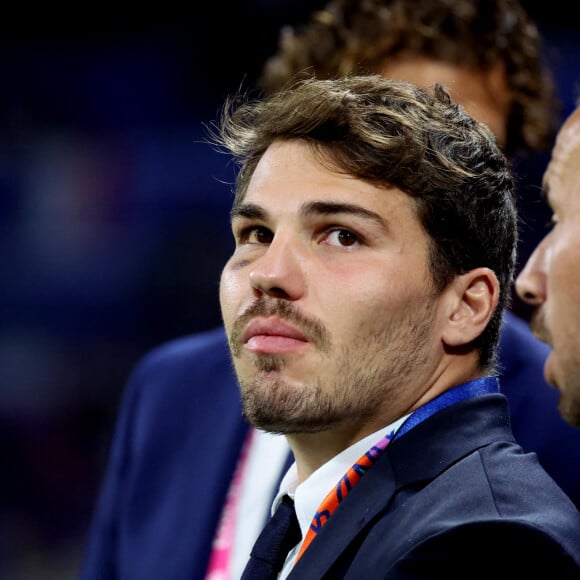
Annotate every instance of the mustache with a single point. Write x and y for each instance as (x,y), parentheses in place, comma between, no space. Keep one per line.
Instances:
(310,326)
(538,327)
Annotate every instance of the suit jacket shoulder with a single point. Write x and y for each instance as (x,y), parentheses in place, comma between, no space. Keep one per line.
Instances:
(533,403)
(179,417)
(451,496)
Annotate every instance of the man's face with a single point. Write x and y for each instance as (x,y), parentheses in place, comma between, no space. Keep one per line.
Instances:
(483,93)
(550,280)
(327,299)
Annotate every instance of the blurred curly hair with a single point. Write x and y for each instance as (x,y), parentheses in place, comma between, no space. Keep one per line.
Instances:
(357,36)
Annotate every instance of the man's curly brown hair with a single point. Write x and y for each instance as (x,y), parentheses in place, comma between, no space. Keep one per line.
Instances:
(357,36)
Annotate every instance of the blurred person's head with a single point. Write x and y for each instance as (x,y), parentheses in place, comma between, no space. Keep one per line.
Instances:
(488,53)
(549,281)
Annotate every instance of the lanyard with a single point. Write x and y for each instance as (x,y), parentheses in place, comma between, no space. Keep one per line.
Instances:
(345,484)
(336,496)
(218,567)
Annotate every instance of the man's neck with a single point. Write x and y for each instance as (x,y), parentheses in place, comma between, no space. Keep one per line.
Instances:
(312,450)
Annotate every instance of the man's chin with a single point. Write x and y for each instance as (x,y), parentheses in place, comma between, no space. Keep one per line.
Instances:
(281,423)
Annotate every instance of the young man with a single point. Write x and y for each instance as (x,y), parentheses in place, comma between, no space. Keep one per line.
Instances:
(549,280)
(182,402)
(362,305)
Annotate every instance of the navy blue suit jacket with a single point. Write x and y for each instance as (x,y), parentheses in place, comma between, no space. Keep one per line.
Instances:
(454,497)
(180,430)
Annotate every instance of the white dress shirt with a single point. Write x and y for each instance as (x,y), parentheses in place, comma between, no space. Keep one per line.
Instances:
(309,494)
(266,458)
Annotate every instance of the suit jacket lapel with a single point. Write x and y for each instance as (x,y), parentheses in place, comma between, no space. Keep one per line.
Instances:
(418,456)
(364,502)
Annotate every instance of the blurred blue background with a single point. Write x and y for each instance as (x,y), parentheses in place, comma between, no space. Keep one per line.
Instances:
(114,227)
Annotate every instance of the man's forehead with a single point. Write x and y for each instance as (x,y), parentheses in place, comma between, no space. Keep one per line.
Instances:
(566,153)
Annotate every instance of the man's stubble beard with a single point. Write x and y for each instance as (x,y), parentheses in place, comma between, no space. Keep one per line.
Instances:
(569,407)
(370,372)
(569,401)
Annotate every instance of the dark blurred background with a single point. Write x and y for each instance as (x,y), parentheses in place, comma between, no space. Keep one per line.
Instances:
(114,227)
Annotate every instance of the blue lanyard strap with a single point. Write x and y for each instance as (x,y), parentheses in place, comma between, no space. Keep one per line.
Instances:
(475,388)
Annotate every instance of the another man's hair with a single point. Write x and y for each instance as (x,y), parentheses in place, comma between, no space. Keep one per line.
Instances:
(396,134)
(357,36)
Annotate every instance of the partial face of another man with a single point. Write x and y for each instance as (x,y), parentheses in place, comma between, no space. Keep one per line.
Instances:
(328,300)
(482,92)
(550,279)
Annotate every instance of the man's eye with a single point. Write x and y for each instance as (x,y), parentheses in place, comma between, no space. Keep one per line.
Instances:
(342,238)
(257,235)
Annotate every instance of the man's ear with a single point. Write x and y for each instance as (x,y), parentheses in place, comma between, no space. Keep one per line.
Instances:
(472,301)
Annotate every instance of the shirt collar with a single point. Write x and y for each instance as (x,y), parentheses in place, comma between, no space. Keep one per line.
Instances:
(309,494)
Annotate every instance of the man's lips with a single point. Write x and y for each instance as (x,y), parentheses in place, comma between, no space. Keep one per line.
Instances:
(272,335)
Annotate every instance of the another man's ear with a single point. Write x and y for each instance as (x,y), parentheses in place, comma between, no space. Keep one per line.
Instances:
(473,300)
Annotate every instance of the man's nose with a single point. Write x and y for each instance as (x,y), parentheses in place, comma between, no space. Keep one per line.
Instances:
(279,271)
(531,282)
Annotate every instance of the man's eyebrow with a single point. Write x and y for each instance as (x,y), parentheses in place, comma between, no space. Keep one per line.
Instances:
(330,208)
(248,210)
(254,211)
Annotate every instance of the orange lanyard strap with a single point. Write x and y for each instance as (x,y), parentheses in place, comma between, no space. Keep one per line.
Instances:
(336,495)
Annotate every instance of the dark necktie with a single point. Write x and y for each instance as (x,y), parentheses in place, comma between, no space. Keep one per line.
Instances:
(280,535)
